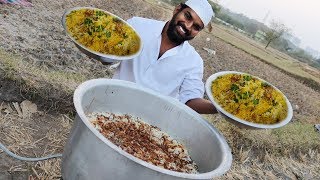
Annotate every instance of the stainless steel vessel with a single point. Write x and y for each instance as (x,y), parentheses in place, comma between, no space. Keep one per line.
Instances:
(89,155)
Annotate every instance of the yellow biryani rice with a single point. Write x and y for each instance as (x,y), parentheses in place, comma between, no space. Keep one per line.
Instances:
(102,32)
(249,98)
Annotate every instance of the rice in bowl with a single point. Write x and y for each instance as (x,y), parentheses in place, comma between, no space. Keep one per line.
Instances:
(249,98)
(102,32)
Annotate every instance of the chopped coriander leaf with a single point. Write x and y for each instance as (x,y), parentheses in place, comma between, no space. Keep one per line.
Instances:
(247,78)
(234,87)
(255,101)
(108,34)
(99,13)
(87,21)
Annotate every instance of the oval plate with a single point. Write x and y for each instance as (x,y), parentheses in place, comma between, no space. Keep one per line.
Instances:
(94,54)
(237,121)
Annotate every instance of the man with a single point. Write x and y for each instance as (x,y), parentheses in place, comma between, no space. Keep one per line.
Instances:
(168,64)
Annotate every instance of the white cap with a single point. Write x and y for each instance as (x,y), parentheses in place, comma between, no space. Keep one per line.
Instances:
(202,8)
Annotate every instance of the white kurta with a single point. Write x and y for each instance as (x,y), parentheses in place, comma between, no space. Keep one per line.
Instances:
(177,73)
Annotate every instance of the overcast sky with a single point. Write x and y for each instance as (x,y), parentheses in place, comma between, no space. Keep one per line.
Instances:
(301,16)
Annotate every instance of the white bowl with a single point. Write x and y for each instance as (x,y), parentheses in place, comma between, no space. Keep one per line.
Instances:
(240,122)
(94,54)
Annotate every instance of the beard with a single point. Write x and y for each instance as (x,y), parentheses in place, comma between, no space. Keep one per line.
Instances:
(173,33)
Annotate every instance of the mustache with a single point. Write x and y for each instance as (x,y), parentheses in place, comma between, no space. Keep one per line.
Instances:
(184,28)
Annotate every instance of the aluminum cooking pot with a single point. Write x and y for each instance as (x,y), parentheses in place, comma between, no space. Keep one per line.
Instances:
(89,155)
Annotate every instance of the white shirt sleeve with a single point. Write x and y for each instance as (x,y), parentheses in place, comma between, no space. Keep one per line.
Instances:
(192,86)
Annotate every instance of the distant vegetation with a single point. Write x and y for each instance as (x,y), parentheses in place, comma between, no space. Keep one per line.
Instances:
(251,27)
(275,32)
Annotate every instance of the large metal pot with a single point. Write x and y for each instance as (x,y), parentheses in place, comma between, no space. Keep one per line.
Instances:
(89,155)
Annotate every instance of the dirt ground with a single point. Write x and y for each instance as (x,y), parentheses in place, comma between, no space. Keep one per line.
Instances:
(35,33)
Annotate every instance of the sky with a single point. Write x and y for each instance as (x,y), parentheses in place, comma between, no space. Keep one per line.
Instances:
(301,16)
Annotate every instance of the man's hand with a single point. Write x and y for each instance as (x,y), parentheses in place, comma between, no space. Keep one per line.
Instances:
(202,106)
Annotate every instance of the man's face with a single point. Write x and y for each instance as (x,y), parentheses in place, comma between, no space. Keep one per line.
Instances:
(184,25)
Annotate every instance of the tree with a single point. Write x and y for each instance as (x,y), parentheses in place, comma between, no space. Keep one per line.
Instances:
(250,27)
(276,30)
(215,6)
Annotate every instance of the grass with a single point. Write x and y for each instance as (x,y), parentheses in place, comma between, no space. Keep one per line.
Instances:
(15,67)
(274,168)
(299,135)
(295,137)
(33,135)
(53,86)
(165,6)
(288,152)
(269,55)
